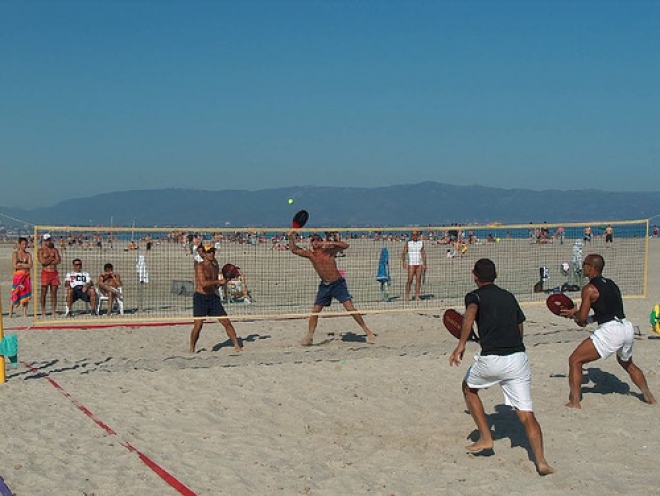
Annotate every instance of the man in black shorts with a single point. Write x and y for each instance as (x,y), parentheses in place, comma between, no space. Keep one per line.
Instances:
(79,286)
(206,300)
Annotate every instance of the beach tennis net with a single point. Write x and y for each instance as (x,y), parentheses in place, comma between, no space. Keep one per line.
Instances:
(157,266)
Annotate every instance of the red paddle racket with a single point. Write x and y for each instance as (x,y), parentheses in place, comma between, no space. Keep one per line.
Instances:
(453,322)
(558,302)
(300,219)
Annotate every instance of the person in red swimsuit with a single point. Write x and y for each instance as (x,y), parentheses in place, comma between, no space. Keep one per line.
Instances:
(49,258)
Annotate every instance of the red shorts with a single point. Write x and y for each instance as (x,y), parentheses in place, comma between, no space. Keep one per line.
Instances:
(50,278)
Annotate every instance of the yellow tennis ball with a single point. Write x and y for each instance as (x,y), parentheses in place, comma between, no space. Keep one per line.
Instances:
(290,201)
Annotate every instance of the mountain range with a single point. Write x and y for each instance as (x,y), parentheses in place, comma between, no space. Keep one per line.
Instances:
(422,204)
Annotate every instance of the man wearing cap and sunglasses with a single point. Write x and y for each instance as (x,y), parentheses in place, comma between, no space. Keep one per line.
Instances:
(49,258)
(206,300)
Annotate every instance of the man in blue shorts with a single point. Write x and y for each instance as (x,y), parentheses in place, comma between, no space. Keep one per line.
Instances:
(332,285)
(206,300)
(502,360)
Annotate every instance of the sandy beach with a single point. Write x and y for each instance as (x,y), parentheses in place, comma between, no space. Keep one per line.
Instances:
(127,410)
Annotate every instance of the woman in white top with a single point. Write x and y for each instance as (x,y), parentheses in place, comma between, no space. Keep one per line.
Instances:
(414,260)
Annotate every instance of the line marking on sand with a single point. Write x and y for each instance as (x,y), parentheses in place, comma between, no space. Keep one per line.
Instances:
(81,327)
(157,469)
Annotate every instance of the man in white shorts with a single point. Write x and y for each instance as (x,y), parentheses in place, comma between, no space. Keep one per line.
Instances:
(502,360)
(615,333)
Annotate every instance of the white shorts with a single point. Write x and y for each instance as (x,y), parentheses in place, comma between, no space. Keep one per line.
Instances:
(511,372)
(615,336)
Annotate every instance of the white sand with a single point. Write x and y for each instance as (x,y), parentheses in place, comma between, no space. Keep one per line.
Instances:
(339,418)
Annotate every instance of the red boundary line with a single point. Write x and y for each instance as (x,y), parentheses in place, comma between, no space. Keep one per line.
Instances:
(157,469)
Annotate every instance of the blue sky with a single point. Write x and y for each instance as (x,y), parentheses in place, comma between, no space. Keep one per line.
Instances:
(101,96)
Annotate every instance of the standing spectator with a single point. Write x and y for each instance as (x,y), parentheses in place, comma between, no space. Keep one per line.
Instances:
(21,286)
(49,257)
(609,236)
(413,259)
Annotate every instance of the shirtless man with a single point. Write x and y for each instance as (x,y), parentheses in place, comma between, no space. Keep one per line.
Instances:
(206,300)
(332,285)
(109,283)
(49,257)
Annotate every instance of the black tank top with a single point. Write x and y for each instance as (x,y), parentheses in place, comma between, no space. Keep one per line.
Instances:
(609,305)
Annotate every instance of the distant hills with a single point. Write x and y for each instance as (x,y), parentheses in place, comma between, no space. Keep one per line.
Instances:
(427,203)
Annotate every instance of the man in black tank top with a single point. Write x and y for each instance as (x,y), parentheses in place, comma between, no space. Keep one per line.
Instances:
(502,360)
(615,334)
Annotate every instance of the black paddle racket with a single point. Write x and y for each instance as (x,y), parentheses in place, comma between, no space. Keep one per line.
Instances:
(300,219)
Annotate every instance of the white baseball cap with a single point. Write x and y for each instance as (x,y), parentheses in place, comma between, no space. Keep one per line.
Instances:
(47,236)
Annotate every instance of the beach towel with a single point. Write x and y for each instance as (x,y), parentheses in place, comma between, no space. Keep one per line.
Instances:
(383,275)
(141,269)
(21,288)
(9,348)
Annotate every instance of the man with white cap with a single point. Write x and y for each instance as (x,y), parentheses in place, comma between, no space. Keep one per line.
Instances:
(49,258)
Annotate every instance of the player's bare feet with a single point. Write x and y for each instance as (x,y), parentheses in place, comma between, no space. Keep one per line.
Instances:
(479,446)
(544,469)
(647,397)
(308,340)
(371,338)
(238,348)
(572,403)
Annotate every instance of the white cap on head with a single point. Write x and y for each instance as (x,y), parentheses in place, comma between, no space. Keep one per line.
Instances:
(47,236)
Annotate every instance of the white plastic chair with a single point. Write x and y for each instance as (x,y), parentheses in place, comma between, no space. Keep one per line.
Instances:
(119,301)
(67,310)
